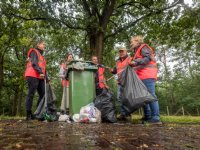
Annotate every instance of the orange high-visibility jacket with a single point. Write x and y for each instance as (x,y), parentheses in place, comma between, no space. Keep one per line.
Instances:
(149,70)
(65,82)
(101,77)
(121,65)
(30,71)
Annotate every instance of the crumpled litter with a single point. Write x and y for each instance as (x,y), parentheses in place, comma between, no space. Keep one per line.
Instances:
(64,118)
(88,113)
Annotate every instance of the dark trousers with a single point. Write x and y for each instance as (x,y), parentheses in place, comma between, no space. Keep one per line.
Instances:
(99,91)
(33,85)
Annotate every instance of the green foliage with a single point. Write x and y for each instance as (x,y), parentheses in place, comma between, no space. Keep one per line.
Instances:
(172,120)
(69,26)
(180,119)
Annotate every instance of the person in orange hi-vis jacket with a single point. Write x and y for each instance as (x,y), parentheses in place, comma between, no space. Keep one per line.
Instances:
(145,66)
(65,84)
(35,74)
(100,79)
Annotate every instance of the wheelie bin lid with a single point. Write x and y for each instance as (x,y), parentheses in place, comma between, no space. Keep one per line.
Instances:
(82,65)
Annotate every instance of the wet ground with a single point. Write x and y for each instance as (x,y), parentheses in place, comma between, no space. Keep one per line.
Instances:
(20,134)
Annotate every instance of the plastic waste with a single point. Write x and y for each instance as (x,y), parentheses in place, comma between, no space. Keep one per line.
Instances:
(105,103)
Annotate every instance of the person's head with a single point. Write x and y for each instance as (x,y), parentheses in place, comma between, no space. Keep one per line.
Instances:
(122,52)
(136,41)
(40,44)
(94,59)
(69,57)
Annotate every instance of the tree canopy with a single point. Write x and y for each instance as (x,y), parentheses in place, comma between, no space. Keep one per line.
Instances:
(95,27)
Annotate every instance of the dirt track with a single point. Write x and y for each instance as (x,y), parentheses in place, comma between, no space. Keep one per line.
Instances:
(17,134)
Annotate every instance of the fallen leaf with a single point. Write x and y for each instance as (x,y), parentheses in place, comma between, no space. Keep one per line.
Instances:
(145,145)
(155,145)
(18,145)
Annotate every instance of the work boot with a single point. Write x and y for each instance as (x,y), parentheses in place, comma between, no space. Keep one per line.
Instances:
(121,118)
(67,111)
(154,121)
(29,115)
(129,118)
(143,120)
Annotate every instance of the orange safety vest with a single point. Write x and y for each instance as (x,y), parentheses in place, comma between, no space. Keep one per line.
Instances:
(65,82)
(121,65)
(30,71)
(101,77)
(149,70)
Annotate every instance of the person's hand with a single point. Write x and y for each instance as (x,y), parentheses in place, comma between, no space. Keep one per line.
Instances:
(111,69)
(107,87)
(133,63)
(42,76)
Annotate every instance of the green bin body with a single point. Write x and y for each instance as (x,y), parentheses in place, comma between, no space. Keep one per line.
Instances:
(82,87)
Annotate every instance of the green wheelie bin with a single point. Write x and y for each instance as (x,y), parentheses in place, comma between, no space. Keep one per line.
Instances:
(82,85)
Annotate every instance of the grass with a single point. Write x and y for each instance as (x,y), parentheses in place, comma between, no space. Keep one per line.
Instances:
(165,119)
(2,117)
(181,119)
(173,119)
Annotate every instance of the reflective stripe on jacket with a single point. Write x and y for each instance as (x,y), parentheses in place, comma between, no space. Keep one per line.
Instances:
(101,77)
(149,70)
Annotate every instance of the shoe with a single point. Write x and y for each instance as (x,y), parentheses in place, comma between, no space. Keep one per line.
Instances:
(124,118)
(121,118)
(154,121)
(67,111)
(62,112)
(128,118)
(29,115)
(144,119)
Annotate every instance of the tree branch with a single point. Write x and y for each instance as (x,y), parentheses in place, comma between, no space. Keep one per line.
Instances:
(132,3)
(127,26)
(115,24)
(71,26)
(49,19)
(95,8)
(152,12)
(86,7)
(28,19)
(107,12)
(125,4)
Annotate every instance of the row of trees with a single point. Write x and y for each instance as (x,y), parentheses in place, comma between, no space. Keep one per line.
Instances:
(94,27)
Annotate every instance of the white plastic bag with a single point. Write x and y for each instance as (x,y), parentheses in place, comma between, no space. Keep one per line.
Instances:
(76,117)
(64,118)
(90,113)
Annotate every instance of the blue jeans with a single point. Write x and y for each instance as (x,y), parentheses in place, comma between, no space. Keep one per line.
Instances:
(119,91)
(151,110)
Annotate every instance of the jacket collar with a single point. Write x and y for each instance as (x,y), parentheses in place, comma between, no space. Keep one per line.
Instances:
(41,51)
(123,58)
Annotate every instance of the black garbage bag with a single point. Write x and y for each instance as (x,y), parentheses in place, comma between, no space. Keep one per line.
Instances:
(47,110)
(105,103)
(134,93)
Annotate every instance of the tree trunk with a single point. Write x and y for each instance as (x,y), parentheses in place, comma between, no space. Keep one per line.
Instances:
(190,66)
(97,45)
(21,97)
(19,103)
(98,24)
(92,44)
(1,72)
(15,99)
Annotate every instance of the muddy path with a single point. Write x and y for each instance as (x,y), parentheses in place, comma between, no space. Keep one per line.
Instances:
(20,134)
